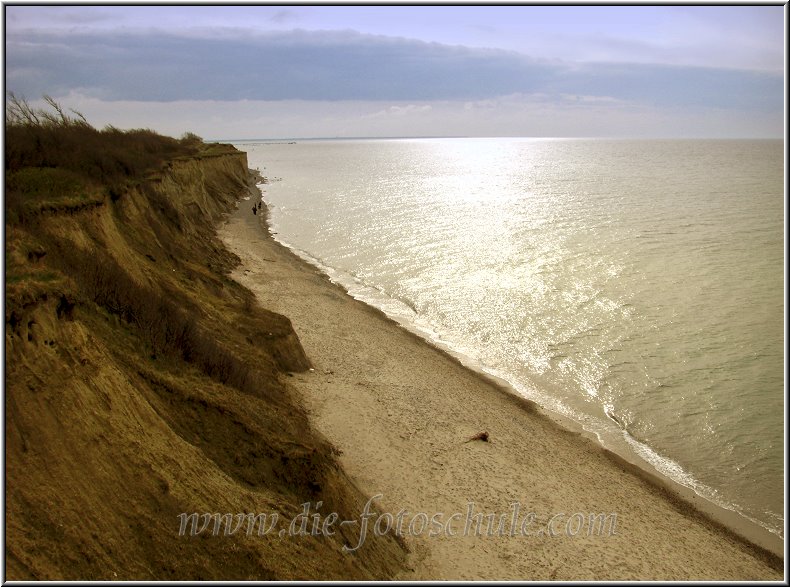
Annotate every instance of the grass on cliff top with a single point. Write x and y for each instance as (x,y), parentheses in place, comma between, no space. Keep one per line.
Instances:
(55,161)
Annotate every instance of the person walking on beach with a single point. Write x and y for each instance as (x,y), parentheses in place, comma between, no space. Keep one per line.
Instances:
(254,210)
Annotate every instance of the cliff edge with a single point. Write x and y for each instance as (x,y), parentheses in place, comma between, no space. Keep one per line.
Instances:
(143,383)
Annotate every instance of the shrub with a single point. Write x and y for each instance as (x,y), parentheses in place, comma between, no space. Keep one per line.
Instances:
(53,139)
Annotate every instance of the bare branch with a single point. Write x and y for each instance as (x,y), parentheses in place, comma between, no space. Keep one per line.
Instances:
(18,111)
(81,116)
(63,118)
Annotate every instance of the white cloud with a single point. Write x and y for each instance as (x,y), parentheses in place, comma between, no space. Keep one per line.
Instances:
(514,115)
(406,110)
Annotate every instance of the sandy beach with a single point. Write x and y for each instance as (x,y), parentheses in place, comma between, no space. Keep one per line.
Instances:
(402,414)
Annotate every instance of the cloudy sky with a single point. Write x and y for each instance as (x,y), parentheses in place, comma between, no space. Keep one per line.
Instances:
(235,72)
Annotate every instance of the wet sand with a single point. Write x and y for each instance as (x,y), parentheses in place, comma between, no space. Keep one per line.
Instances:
(401,413)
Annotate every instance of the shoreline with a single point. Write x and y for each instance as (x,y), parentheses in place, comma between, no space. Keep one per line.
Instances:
(741,525)
(332,398)
(745,528)
(731,520)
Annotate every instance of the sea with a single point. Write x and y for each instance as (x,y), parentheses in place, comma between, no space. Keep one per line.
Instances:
(635,287)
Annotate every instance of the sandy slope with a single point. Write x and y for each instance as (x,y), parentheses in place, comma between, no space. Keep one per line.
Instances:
(400,411)
(143,385)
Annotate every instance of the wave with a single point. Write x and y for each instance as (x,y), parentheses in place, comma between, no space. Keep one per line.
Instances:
(405,313)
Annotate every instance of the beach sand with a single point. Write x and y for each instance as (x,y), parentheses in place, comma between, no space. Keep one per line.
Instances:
(401,413)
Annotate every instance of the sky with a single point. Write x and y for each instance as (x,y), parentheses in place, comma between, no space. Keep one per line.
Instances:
(247,72)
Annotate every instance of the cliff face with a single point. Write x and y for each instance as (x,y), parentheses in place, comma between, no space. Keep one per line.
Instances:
(143,383)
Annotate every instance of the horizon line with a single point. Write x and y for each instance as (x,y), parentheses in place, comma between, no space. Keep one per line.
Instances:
(417,137)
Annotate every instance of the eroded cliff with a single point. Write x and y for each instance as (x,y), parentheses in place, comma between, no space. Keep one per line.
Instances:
(142,383)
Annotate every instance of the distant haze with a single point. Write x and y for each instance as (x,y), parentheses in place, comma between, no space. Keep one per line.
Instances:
(310,71)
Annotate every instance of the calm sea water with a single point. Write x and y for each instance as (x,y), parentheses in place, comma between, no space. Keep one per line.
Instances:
(634,286)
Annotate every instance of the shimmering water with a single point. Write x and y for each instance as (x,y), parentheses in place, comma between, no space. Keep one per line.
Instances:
(634,286)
